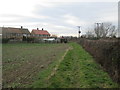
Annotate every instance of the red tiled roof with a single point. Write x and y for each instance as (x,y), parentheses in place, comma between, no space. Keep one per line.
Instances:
(41,32)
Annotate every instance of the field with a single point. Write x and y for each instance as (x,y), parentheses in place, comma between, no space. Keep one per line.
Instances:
(52,66)
(22,62)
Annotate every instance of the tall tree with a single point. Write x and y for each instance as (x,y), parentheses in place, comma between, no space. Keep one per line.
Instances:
(104,30)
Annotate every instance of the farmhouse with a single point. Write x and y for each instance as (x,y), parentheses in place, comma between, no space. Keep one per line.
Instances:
(15,33)
(25,32)
(40,34)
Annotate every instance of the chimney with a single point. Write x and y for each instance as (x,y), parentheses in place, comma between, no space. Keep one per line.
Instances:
(21,27)
(37,28)
(42,28)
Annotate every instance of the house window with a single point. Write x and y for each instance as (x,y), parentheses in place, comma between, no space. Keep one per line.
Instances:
(13,34)
(20,34)
(24,34)
(16,34)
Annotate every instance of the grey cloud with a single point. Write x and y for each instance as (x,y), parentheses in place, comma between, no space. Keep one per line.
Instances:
(85,11)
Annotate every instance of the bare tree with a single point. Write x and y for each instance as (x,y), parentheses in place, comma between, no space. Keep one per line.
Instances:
(104,30)
(113,31)
(89,34)
(98,30)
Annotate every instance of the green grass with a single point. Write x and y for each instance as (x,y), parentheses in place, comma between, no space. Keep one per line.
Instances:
(77,70)
(41,80)
(28,44)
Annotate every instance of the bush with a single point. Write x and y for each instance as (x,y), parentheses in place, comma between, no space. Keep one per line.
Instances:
(93,38)
(24,38)
(30,39)
(5,40)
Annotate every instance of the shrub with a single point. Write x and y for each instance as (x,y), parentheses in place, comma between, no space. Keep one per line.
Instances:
(24,38)
(5,40)
(30,39)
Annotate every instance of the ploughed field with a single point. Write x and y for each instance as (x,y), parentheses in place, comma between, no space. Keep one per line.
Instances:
(22,62)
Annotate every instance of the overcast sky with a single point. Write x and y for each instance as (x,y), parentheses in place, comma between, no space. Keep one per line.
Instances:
(58,16)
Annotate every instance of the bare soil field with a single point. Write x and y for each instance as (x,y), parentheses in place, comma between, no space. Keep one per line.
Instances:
(22,62)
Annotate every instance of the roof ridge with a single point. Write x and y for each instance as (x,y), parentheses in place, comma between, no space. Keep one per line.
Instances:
(39,30)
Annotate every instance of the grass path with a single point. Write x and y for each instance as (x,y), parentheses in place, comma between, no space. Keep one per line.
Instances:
(77,70)
(56,67)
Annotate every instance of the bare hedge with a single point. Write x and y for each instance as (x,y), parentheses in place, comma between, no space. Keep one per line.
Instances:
(106,53)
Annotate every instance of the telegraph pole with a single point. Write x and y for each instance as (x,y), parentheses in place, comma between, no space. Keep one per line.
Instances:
(79,31)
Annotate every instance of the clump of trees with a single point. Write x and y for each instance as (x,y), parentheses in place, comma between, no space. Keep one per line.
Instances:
(102,30)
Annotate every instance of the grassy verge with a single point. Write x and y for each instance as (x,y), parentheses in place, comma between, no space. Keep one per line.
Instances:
(77,70)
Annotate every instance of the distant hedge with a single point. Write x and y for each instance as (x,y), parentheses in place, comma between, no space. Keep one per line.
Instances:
(106,53)
(30,39)
(5,40)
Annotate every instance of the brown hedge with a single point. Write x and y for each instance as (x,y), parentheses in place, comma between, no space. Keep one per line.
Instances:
(106,53)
